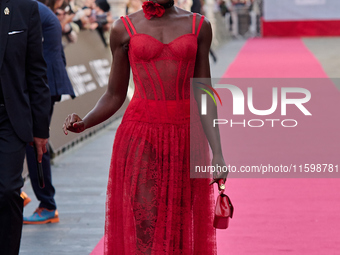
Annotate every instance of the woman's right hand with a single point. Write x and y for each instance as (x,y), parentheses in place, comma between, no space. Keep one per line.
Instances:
(218,160)
(74,124)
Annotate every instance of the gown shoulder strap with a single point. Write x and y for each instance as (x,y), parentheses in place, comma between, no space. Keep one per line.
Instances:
(128,29)
(194,24)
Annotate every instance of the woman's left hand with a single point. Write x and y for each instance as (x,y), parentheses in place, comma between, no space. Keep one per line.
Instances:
(218,162)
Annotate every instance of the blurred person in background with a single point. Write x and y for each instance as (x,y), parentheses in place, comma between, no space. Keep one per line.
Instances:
(103,20)
(223,7)
(59,84)
(237,8)
(184,4)
(85,15)
(258,12)
(65,15)
(196,6)
(239,2)
(133,6)
(93,15)
(24,110)
(57,7)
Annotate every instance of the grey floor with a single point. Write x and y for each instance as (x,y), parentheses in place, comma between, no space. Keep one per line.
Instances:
(80,178)
(327,51)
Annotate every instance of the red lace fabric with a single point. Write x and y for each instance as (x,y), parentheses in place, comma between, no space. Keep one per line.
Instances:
(153,207)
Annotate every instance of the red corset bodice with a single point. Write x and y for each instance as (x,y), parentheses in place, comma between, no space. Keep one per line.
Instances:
(161,74)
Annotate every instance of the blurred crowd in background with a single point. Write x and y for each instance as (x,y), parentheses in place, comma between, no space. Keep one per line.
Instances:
(242,17)
(76,15)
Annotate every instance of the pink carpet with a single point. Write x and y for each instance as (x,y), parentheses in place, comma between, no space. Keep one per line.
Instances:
(281,215)
(99,249)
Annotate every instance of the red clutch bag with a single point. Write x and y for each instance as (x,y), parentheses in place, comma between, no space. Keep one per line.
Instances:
(224,209)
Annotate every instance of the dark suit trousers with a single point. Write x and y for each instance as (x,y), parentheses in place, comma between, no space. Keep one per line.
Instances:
(45,195)
(12,153)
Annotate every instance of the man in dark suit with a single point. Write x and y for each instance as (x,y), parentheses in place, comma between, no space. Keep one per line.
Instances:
(59,84)
(24,109)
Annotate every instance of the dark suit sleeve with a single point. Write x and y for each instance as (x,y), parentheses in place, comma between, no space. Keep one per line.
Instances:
(63,56)
(36,77)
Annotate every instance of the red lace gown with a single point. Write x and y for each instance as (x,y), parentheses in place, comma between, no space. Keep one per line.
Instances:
(153,206)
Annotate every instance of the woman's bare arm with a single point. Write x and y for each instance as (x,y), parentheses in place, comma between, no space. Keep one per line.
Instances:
(115,94)
(202,70)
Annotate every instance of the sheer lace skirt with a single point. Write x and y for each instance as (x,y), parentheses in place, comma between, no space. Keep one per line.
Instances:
(153,207)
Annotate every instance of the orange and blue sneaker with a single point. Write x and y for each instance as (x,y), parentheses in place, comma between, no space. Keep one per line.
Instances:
(42,216)
(25,198)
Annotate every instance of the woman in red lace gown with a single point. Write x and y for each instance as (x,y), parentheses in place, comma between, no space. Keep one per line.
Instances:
(153,206)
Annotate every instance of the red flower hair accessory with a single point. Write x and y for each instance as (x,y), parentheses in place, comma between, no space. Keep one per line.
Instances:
(152,9)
